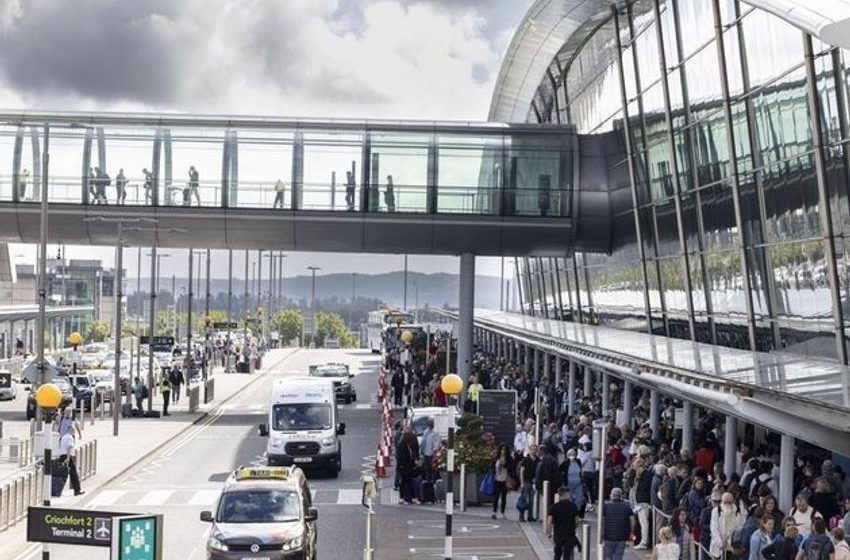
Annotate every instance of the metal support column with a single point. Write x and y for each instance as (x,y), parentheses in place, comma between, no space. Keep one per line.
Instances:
(536,374)
(653,412)
(730,445)
(571,389)
(191,294)
(588,381)
(688,426)
(606,393)
(466,306)
(628,390)
(786,472)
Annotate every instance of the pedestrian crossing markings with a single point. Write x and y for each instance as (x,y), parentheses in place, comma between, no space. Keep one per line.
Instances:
(203,498)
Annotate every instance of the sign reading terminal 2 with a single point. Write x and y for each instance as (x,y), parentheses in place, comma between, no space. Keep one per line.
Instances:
(70,526)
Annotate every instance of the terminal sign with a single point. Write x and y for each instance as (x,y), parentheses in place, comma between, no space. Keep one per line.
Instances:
(137,537)
(70,526)
(225,325)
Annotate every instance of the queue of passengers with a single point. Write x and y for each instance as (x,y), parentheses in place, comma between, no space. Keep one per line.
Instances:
(706,511)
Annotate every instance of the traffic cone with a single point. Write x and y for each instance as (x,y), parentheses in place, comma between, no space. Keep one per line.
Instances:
(380,467)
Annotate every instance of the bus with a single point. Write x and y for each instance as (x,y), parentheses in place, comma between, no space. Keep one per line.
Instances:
(377,323)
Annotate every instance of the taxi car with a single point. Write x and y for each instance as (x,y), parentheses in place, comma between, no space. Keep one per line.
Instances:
(341,377)
(263,513)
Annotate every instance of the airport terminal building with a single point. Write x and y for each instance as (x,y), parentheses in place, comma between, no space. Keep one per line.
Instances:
(712,187)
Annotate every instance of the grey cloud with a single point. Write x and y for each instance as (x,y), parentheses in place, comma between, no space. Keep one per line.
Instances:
(162,52)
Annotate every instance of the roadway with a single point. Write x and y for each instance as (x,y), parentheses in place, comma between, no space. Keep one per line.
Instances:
(185,476)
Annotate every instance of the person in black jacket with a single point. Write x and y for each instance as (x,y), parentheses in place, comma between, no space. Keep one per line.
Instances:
(548,470)
(407,456)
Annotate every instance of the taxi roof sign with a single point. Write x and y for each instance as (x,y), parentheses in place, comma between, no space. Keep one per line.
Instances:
(263,473)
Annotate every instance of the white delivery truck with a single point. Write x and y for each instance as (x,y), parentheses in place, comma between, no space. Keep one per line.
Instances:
(303,428)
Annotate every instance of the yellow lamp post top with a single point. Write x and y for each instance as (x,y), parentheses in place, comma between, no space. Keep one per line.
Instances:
(48,396)
(407,337)
(75,339)
(452,384)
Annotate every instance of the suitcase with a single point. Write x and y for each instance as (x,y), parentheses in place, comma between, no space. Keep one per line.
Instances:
(151,414)
(126,410)
(440,490)
(58,479)
(427,493)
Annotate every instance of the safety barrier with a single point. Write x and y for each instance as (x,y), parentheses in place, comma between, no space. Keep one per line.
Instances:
(194,398)
(16,450)
(209,390)
(87,459)
(383,454)
(19,493)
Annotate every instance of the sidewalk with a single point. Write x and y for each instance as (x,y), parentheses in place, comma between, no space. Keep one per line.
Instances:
(535,537)
(139,438)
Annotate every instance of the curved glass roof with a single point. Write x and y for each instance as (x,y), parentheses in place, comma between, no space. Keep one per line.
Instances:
(554,30)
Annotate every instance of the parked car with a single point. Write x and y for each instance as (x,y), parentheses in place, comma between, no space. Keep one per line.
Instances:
(67,395)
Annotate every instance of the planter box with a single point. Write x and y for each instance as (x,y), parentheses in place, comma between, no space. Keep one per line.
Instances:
(473,481)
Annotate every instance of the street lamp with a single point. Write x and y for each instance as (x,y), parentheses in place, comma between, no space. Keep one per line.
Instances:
(452,385)
(48,397)
(313,269)
(119,294)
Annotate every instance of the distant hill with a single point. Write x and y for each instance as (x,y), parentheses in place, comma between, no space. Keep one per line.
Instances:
(435,290)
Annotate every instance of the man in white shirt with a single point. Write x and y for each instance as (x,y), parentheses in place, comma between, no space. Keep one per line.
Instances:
(68,455)
(429,446)
(804,515)
(520,441)
(67,423)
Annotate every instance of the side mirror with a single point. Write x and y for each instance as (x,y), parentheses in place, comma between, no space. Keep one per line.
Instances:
(312,514)
(340,429)
(263,430)
(206,516)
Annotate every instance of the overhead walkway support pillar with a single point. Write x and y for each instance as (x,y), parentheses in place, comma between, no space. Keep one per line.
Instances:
(547,367)
(571,389)
(627,403)
(559,368)
(730,445)
(606,393)
(526,358)
(688,427)
(466,306)
(537,353)
(653,413)
(786,472)
(588,381)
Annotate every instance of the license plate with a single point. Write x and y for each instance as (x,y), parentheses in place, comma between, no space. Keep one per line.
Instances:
(303,459)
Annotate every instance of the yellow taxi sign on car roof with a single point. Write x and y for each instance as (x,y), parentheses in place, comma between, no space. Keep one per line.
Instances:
(263,473)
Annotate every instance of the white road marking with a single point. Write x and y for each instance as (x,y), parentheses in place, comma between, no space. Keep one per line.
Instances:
(204,497)
(155,498)
(107,498)
(349,497)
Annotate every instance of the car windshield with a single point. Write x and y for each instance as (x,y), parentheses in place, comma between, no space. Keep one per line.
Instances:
(330,372)
(82,382)
(258,506)
(302,416)
(419,424)
(62,383)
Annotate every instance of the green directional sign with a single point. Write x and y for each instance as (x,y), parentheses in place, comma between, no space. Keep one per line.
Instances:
(137,537)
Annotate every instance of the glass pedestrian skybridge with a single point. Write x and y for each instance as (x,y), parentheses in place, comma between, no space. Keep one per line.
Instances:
(196,166)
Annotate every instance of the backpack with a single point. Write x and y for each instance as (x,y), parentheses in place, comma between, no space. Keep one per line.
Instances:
(754,492)
(816,548)
(737,540)
(145,393)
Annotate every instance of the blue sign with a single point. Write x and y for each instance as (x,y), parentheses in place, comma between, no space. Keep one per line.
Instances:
(138,538)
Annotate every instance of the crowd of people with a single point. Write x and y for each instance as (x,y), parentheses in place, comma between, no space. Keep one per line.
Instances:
(680,504)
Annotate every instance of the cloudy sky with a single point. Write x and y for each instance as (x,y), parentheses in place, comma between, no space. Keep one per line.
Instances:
(422,59)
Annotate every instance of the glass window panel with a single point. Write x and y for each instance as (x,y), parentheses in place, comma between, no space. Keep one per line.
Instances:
(66,157)
(469,181)
(597,101)
(201,149)
(542,173)
(674,284)
(668,30)
(718,217)
(264,159)
(128,149)
(790,199)
(725,287)
(734,68)
(697,286)
(830,116)
(328,158)
(401,160)
(703,78)
(802,280)
(773,46)
(661,170)
(646,47)
(782,119)
(711,149)
(697,24)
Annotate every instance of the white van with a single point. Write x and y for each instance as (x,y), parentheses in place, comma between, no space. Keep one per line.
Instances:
(302,428)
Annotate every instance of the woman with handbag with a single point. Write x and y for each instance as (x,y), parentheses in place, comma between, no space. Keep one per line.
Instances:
(407,456)
(501,466)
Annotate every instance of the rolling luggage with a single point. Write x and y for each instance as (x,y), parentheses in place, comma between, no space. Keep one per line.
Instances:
(440,490)
(58,479)
(427,493)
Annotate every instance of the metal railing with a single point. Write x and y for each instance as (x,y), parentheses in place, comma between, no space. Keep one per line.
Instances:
(87,459)
(16,450)
(19,493)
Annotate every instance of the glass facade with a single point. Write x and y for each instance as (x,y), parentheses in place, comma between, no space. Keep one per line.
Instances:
(735,229)
(446,168)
